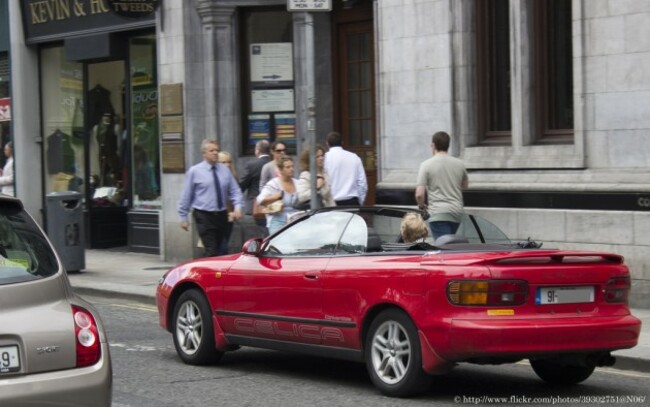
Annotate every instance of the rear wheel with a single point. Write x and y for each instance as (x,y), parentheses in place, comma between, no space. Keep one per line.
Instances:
(555,372)
(193,329)
(393,356)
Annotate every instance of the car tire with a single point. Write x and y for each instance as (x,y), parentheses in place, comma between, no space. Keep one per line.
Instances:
(393,357)
(193,330)
(554,372)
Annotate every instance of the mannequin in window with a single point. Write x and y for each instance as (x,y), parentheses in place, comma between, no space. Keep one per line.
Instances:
(104,160)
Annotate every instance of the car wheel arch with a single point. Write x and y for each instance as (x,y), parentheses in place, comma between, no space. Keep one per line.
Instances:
(373,312)
(173,299)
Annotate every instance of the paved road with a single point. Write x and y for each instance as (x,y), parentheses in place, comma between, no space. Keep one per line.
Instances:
(147,373)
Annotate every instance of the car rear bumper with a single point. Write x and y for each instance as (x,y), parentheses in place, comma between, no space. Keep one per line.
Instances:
(88,386)
(524,338)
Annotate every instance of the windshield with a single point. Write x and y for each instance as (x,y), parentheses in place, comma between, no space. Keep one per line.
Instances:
(24,252)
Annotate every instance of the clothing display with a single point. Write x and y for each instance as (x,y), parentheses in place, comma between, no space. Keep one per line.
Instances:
(61,156)
(99,103)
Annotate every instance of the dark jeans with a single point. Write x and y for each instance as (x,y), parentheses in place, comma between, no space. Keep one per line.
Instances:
(348,202)
(212,228)
(440,228)
(223,247)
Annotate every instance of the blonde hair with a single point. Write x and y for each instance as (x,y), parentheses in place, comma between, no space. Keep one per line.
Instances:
(226,156)
(413,227)
(304,157)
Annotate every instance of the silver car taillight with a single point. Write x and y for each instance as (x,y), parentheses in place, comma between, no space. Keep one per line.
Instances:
(86,337)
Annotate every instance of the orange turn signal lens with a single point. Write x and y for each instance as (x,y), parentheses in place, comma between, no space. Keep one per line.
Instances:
(487,292)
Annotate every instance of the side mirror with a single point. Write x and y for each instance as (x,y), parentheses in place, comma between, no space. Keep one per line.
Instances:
(252,246)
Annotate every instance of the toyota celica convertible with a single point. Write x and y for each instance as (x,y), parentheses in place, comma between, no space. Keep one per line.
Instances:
(336,282)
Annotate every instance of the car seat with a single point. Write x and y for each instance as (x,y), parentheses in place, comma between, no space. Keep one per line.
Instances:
(374,241)
(450,239)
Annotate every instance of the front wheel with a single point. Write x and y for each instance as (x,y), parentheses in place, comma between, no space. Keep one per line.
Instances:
(555,372)
(393,356)
(193,330)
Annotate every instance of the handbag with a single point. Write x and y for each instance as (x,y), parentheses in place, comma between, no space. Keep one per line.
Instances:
(274,207)
(258,210)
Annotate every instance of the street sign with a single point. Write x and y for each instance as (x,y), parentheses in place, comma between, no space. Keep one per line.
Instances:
(309,5)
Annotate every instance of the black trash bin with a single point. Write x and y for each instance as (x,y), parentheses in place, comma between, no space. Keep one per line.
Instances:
(64,215)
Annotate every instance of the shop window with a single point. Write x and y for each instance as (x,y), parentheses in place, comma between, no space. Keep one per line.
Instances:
(63,121)
(268,96)
(145,150)
(5,104)
(106,112)
(554,71)
(4,75)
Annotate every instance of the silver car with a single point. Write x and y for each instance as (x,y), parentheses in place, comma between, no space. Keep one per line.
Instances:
(53,349)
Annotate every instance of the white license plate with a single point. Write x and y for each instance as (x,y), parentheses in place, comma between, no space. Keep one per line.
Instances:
(564,295)
(9,360)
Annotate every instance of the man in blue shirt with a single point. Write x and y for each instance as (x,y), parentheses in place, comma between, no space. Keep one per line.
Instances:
(208,186)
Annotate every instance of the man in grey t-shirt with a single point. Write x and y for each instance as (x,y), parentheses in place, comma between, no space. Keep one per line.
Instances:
(443,178)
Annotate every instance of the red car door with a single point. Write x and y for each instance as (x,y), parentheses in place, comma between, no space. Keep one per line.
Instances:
(274,298)
(278,293)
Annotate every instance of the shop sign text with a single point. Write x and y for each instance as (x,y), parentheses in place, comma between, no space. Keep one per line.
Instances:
(5,109)
(45,11)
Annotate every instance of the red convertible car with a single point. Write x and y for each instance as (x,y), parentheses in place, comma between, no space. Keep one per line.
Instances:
(336,283)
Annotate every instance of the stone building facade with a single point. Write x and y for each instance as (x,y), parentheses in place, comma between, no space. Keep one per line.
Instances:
(553,124)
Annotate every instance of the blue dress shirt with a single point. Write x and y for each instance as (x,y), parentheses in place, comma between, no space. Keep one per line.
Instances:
(199,190)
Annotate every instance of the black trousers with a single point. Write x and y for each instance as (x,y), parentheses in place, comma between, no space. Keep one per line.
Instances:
(348,202)
(212,228)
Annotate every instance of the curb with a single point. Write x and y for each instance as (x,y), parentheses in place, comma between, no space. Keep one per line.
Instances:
(147,299)
(631,363)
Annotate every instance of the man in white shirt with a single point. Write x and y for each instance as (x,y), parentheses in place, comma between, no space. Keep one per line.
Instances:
(347,176)
(7,173)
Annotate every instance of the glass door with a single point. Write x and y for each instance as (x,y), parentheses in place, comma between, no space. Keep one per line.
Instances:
(105,126)
(107,162)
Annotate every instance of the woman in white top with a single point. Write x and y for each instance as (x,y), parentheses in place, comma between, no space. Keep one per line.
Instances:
(7,173)
(323,187)
(283,187)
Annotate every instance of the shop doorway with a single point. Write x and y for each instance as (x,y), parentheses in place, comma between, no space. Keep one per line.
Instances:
(101,139)
(355,77)
(106,159)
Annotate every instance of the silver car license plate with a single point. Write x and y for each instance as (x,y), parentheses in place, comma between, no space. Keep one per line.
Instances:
(9,360)
(564,295)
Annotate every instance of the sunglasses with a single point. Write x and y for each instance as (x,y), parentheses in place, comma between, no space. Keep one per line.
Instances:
(282,150)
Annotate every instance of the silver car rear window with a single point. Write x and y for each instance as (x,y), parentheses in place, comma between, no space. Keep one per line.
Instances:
(24,252)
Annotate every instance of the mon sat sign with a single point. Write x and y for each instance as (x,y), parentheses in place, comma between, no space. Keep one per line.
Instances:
(309,5)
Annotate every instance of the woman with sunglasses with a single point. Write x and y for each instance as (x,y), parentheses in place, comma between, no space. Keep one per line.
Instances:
(282,188)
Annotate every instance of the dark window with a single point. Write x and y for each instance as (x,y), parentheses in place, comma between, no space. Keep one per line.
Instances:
(554,71)
(493,69)
(552,62)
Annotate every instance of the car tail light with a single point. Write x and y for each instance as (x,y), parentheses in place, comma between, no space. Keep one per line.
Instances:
(617,290)
(86,337)
(487,292)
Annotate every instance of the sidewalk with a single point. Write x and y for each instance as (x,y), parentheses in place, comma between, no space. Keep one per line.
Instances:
(135,276)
